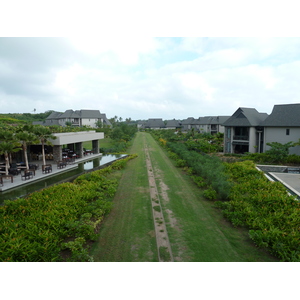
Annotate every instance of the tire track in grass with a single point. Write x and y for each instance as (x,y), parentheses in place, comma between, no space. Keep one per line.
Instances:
(162,238)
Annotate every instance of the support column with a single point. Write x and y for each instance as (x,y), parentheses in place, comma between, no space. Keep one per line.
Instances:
(95,145)
(79,149)
(57,153)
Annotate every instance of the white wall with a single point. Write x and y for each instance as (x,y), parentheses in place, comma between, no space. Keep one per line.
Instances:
(76,137)
(278,134)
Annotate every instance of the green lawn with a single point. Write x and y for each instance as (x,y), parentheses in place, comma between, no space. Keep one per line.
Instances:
(200,232)
(104,143)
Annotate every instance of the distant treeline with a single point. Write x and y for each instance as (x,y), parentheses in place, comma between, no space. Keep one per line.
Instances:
(26,117)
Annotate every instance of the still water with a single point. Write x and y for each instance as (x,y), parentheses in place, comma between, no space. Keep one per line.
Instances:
(94,164)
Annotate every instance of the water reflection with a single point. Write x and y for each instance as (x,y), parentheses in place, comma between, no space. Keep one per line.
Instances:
(66,176)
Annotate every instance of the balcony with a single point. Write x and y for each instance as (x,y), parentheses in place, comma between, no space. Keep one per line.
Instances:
(241,138)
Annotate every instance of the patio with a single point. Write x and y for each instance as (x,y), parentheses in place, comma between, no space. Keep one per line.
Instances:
(10,182)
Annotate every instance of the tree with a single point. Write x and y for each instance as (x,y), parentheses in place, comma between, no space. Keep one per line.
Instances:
(279,152)
(99,124)
(6,148)
(26,137)
(43,134)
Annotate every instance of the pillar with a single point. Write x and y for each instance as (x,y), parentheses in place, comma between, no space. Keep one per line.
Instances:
(57,153)
(95,145)
(79,149)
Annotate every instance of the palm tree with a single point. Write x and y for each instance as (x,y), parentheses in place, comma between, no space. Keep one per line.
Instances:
(43,134)
(6,148)
(26,137)
(8,135)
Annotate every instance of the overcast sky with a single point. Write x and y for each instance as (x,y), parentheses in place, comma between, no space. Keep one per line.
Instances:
(140,77)
(145,78)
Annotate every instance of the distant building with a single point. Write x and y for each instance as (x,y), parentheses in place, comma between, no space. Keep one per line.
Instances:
(78,118)
(282,126)
(154,124)
(243,131)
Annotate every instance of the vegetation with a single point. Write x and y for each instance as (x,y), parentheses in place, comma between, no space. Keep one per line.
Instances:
(56,223)
(25,117)
(265,208)
(197,230)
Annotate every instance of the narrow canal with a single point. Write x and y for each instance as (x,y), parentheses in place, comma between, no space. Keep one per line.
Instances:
(83,167)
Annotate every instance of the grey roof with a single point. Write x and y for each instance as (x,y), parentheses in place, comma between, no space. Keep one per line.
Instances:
(88,114)
(197,121)
(105,120)
(155,123)
(222,119)
(173,123)
(54,115)
(286,115)
(68,114)
(208,120)
(246,117)
(188,121)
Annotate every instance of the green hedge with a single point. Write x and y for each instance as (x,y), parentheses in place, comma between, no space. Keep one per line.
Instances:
(266,209)
(209,167)
(57,220)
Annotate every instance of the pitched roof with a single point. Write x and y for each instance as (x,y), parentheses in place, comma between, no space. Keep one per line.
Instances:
(246,117)
(69,114)
(284,115)
(89,114)
(188,121)
(54,115)
(155,123)
(173,123)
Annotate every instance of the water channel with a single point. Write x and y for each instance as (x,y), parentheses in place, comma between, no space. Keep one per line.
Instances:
(93,164)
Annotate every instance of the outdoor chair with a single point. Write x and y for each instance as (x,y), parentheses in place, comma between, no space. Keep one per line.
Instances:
(14,170)
(27,175)
(47,168)
(61,164)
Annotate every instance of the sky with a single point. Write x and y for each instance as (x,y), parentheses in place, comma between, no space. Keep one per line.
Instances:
(150,59)
(144,75)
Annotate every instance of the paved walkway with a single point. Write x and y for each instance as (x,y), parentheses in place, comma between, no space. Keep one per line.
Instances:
(39,175)
(291,181)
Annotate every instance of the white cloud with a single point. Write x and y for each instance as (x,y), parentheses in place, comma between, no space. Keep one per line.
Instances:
(149,77)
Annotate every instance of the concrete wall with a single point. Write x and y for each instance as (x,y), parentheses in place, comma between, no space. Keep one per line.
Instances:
(76,137)
(278,134)
(90,122)
(252,140)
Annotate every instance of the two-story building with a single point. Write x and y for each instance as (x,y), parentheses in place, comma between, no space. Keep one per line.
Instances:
(83,117)
(282,126)
(243,131)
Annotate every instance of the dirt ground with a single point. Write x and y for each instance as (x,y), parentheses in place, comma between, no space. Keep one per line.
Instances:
(162,238)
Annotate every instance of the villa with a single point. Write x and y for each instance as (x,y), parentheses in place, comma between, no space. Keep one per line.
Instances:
(78,118)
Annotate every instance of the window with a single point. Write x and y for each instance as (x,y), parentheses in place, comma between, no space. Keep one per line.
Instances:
(287,131)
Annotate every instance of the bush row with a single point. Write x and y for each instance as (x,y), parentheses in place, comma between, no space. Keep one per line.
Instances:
(58,220)
(266,209)
(208,167)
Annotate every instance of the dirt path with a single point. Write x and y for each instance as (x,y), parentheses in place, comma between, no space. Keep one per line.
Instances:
(162,238)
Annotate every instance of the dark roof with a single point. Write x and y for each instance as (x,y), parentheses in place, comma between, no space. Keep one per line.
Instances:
(68,114)
(188,121)
(54,115)
(246,117)
(155,123)
(286,115)
(105,120)
(88,114)
(197,121)
(222,119)
(173,123)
